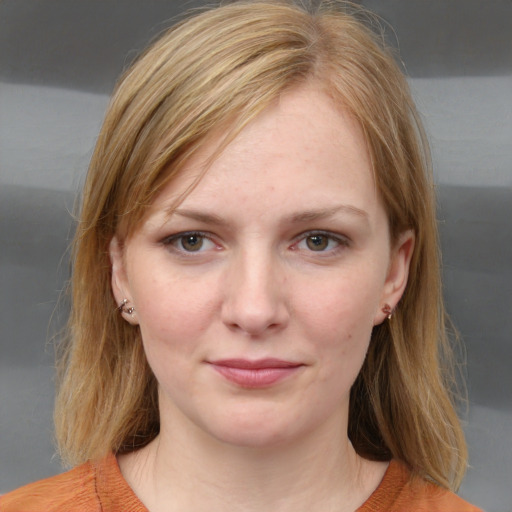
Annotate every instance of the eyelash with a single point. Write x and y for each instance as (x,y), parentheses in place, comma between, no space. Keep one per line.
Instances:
(341,241)
(170,241)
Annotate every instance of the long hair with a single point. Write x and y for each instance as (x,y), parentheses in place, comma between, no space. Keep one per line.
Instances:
(220,69)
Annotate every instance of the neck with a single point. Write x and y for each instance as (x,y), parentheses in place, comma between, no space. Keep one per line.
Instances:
(194,472)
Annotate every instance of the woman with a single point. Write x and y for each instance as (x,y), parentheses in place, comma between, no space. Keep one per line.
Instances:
(257,320)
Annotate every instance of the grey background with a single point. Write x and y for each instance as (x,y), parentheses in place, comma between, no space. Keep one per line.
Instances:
(58,63)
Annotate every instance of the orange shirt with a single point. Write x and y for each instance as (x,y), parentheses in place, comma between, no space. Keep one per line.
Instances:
(100,487)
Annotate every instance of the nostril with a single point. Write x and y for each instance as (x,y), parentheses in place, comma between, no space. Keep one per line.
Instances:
(253,301)
(254,321)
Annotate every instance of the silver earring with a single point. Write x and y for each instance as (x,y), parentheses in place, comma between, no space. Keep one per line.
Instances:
(387,310)
(123,309)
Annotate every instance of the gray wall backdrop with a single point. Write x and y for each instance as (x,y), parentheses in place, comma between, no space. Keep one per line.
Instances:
(58,63)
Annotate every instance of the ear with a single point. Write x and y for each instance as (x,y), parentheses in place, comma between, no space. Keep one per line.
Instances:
(398,273)
(120,286)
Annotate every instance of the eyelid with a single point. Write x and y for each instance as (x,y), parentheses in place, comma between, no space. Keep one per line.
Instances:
(169,241)
(342,240)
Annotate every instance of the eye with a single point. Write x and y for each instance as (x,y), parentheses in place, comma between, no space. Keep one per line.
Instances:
(317,242)
(321,242)
(190,242)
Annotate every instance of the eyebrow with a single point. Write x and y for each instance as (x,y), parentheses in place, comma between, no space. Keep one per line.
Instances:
(323,213)
(204,217)
(296,218)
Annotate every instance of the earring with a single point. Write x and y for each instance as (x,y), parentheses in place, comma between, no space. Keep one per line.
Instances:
(388,311)
(123,309)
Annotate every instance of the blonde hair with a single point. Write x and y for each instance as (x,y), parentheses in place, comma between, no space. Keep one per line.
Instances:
(221,68)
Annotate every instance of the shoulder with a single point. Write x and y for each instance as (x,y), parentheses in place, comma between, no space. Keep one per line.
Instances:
(71,491)
(399,491)
(427,497)
(92,487)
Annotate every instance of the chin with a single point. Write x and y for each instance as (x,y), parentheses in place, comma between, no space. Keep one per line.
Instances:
(256,429)
(254,438)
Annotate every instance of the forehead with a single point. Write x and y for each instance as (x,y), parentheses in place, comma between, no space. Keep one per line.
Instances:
(303,145)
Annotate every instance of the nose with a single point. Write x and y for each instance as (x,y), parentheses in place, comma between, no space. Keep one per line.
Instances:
(254,295)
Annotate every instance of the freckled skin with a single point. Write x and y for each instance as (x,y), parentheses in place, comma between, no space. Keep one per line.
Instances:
(255,289)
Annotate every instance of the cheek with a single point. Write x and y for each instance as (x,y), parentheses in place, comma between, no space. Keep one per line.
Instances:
(338,318)
(172,311)
(342,302)
(173,319)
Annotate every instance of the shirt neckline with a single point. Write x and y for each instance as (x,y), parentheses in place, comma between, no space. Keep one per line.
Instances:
(114,493)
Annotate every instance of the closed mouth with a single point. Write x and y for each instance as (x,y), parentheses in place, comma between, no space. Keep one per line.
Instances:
(253,374)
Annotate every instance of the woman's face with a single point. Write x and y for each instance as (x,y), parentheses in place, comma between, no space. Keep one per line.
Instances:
(257,295)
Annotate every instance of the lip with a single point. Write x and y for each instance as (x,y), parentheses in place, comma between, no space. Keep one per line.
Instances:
(254,374)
